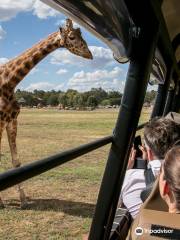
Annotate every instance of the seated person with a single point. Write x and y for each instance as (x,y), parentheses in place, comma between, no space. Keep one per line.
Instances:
(169,180)
(161,210)
(160,134)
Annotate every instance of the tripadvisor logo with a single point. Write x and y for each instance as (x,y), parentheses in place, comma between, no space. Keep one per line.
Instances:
(138,231)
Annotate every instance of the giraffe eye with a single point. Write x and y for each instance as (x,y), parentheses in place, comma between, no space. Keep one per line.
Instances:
(71,37)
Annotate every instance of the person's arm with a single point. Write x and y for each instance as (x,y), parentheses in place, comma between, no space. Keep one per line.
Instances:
(131,158)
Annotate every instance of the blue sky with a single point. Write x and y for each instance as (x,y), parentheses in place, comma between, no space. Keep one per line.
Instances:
(25,22)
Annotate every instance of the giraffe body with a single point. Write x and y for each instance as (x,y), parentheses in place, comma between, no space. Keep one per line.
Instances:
(16,69)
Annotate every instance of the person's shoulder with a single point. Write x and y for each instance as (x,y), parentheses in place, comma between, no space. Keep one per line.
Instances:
(133,171)
(132,178)
(155,163)
(133,174)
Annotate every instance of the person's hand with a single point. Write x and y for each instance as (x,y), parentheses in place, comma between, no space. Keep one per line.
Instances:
(144,152)
(131,158)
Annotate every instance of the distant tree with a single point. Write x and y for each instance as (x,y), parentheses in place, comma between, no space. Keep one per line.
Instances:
(92,101)
(105,102)
(79,101)
(72,98)
(53,100)
(99,93)
(114,94)
(30,100)
(71,93)
(63,99)
(114,101)
(150,96)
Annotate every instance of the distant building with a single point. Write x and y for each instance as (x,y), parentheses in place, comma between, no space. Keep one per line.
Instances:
(22,102)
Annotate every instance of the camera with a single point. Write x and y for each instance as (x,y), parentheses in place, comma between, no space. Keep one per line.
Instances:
(139,163)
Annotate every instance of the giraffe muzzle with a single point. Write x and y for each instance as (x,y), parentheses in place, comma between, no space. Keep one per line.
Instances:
(88,55)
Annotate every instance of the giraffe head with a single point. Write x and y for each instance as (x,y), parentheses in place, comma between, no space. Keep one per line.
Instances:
(71,39)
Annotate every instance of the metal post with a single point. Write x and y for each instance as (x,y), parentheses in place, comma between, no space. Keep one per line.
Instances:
(161,96)
(159,101)
(176,99)
(17,175)
(169,99)
(132,102)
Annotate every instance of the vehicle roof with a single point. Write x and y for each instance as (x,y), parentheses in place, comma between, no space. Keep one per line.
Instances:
(171,13)
(112,23)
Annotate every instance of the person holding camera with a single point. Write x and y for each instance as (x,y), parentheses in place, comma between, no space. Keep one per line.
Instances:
(160,134)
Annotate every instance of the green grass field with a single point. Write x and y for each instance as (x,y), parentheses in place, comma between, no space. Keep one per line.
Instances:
(62,200)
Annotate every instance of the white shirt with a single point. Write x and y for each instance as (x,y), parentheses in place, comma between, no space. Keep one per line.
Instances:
(134,183)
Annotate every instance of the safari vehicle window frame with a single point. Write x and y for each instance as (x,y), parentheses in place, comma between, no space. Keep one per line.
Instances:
(151,33)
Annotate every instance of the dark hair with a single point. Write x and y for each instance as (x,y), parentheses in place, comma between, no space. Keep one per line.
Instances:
(160,134)
(172,172)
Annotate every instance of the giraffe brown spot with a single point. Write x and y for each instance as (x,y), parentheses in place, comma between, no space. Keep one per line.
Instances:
(15,79)
(5,95)
(6,74)
(36,58)
(15,105)
(18,62)
(56,45)
(5,86)
(49,46)
(8,119)
(21,72)
(13,67)
(13,115)
(27,65)
(3,116)
(10,97)
(45,51)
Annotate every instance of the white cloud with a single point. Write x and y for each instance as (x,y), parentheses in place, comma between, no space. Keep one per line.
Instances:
(40,86)
(2,33)
(101,57)
(43,11)
(84,81)
(108,80)
(46,86)
(10,8)
(62,71)
(86,77)
(59,87)
(3,60)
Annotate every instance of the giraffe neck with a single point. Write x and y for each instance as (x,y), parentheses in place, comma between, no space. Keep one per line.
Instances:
(16,69)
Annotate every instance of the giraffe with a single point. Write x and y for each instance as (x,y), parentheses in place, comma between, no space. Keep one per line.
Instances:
(16,69)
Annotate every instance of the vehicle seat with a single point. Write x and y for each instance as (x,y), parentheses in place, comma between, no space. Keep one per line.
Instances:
(121,224)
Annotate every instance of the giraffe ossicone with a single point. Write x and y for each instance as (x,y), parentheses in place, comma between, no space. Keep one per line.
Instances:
(16,69)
